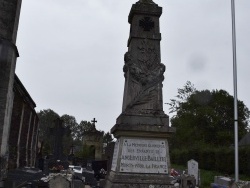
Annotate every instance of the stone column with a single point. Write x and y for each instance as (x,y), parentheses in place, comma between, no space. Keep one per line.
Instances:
(19,136)
(143,69)
(29,135)
(16,125)
(32,146)
(35,146)
(23,139)
(141,154)
(9,18)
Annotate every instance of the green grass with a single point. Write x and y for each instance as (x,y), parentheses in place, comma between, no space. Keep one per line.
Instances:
(207,177)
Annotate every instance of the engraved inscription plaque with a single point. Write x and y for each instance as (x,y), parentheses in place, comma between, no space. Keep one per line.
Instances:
(144,156)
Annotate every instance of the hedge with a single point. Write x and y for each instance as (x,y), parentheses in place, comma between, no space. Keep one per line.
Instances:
(217,159)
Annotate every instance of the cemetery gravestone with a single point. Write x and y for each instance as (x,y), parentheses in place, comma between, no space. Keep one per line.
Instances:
(193,169)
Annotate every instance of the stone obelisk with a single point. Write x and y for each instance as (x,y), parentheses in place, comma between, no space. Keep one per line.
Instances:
(141,154)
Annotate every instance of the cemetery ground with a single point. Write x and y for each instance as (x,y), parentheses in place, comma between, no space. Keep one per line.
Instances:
(207,176)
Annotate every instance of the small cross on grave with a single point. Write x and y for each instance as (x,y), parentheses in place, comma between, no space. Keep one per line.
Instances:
(94,121)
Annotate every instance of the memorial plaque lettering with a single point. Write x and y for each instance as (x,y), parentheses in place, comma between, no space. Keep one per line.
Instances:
(115,156)
(144,156)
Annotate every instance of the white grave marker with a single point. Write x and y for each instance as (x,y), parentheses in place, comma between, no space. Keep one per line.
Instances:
(193,169)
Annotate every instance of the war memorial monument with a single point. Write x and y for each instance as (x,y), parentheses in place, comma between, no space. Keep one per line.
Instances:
(141,154)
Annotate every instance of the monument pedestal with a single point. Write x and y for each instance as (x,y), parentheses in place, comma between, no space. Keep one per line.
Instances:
(128,180)
(141,156)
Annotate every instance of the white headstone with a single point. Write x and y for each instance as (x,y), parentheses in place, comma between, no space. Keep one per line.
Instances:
(193,169)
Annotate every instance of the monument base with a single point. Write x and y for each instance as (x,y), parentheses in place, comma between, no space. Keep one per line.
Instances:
(127,180)
(141,157)
(157,119)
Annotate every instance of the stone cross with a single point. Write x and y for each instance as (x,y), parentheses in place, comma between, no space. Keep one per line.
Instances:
(94,121)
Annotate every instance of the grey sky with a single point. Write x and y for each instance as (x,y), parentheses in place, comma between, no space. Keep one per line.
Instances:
(71,52)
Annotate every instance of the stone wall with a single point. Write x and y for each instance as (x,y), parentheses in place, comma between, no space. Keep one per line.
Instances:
(9,18)
(24,129)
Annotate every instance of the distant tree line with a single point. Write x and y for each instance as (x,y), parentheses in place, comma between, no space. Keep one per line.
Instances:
(75,138)
(204,122)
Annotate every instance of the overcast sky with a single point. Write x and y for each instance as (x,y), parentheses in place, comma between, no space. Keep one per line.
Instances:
(71,52)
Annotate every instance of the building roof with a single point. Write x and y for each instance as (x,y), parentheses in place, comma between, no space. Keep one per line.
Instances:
(19,87)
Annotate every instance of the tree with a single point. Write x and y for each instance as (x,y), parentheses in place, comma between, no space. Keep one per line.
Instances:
(87,126)
(182,96)
(46,121)
(107,138)
(206,118)
(70,121)
(82,128)
(47,118)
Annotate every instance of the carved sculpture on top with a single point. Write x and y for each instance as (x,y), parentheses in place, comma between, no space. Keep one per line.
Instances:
(144,75)
(143,69)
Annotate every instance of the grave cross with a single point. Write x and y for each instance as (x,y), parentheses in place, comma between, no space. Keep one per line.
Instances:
(94,121)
